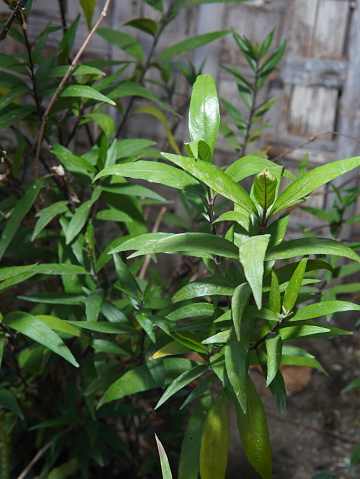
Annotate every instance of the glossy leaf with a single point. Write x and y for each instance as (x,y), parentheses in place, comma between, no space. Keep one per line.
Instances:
(170,349)
(192,244)
(80,217)
(188,45)
(252,253)
(308,329)
(237,361)
(216,179)
(164,461)
(254,432)
(293,288)
(307,246)
(85,91)
(105,327)
(206,287)
(215,440)
(93,305)
(58,324)
(309,182)
(265,186)
(153,172)
(201,389)
(322,309)
(238,304)
(35,329)
(180,382)
(21,209)
(204,114)
(123,41)
(273,351)
(190,449)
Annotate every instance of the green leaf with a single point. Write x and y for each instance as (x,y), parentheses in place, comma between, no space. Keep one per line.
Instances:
(22,207)
(215,440)
(34,328)
(85,91)
(138,242)
(157,4)
(155,112)
(254,432)
(164,461)
(93,305)
(188,45)
(65,470)
(277,385)
(216,179)
(73,163)
(181,381)
(265,186)
(129,88)
(123,41)
(126,279)
(105,122)
(354,384)
(12,95)
(293,288)
(355,457)
(13,114)
(309,182)
(237,360)
(144,24)
(153,172)
(58,324)
(238,304)
(252,253)
(170,349)
(192,244)
(322,309)
(104,327)
(8,401)
(48,214)
(201,389)
(53,298)
(2,347)
(215,286)
(204,114)
(274,352)
(190,449)
(80,216)
(88,9)
(133,381)
(307,246)
(61,71)
(308,329)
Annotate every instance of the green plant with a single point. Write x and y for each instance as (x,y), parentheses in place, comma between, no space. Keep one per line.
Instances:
(261,65)
(248,307)
(62,294)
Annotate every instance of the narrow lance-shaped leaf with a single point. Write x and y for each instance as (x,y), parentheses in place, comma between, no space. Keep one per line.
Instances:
(216,179)
(181,381)
(123,41)
(34,328)
(252,254)
(215,440)
(188,45)
(164,461)
(238,304)
(190,449)
(237,360)
(88,8)
(254,432)
(153,172)
(48,214)
(274,352)
(307,246)
(18,214)
(322,309)
(85,91)
(312,180)
(204,114)
(293,288)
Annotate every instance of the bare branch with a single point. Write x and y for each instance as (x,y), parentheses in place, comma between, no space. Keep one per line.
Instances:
(18,8)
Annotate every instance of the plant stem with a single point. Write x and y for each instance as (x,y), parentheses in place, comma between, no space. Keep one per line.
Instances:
(21,4)
(252,113)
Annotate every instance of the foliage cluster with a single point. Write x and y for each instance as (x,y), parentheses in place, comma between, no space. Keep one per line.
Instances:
(88,335)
